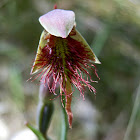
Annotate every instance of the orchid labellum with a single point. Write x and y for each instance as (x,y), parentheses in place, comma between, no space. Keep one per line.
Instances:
(64,56)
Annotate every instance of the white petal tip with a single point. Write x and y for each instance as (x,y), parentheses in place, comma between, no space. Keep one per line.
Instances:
(97,62)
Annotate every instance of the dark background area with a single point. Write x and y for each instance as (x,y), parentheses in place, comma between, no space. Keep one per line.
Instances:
(112,29)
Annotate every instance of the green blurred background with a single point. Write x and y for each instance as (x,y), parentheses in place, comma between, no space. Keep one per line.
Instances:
(112,29)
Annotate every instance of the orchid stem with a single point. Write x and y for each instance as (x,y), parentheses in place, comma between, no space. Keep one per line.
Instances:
(67,113)
(64,122)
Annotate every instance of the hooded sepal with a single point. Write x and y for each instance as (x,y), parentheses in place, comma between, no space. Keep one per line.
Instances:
(58,22)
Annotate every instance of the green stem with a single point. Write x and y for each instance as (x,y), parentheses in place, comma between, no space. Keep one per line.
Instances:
(36,132)
(133,115)
(64,122)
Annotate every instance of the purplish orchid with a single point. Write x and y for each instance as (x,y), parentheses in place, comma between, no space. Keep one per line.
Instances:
(65,56)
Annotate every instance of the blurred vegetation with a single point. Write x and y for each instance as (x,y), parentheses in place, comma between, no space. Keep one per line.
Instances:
(112,28)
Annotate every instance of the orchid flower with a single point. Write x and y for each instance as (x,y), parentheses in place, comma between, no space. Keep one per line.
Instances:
(64,55)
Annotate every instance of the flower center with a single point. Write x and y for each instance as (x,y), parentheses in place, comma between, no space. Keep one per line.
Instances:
(61,51)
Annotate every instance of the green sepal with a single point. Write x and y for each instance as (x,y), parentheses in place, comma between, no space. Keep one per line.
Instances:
(80,38)
(42,44)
